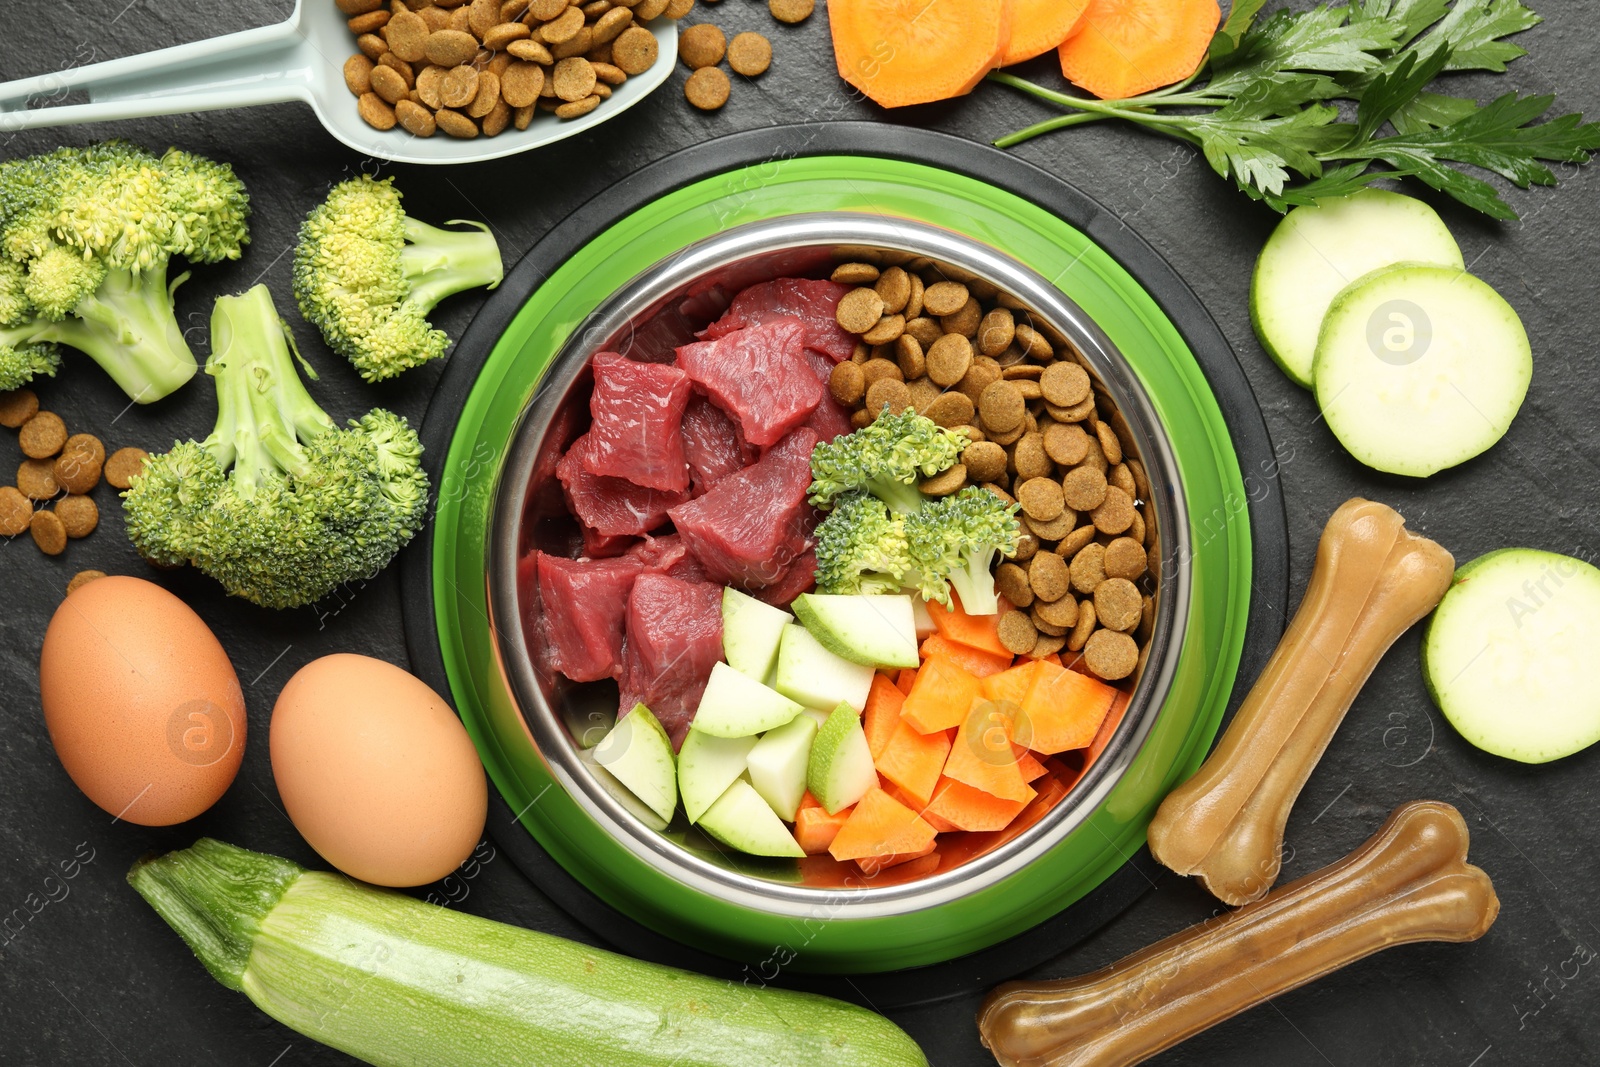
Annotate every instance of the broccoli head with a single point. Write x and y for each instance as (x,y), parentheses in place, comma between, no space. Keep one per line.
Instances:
(278,504)
(367,275)
(886,458)
(861,547)
(86,238)
(953,541)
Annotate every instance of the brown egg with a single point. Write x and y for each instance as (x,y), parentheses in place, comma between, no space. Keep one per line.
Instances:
(142,704)
(376,771)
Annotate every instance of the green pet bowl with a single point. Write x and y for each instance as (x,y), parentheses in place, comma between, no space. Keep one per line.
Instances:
(521,367)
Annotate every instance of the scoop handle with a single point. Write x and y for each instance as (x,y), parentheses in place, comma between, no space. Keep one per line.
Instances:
(235,70)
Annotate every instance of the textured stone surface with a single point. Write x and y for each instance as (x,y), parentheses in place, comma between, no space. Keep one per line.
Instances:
(95,978)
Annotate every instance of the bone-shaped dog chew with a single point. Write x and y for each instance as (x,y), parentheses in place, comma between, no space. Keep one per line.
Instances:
(1373,579)
(1410,882)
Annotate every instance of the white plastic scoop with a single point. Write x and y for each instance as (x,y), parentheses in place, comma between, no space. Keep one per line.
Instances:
(301,58)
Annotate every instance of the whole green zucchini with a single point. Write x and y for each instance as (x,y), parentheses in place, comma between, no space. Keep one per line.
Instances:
(394,981)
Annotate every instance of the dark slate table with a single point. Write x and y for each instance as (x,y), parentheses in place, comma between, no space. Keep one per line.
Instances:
(89,975)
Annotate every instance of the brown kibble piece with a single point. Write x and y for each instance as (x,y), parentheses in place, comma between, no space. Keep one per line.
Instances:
(436,18)
(372,46)
(407,35)
(859,310)
(488,95)
(1088,568)
(983,371)
(608,73)
(914,301)
(545,10)
(1047,645)
(1075,413)
(123,465)
(1028,457)
(645,10)
(1125,558)
(944,298)
(48,532)
(460,87)
(890,392)
(1111,655)
(415,119)
(1008,437)
(859,418)
(908,354)
(1041,498)
(1066,443)
(1137,531)
(847,383)
(1077,541)
(1110,445)
(1085,488)
(522,117)
(533,52)
(574,78)
(17,406)
(1051,529)
(77,469)
(1012,582)
(37,480)
(924,329)
(1001,407)
(81,579)
(791,11)
(43,435)
(856,274)
(1121,477)
(704,46)
(456,124)
(985,461)
(483,16)
(953,409)
(1115,513)
(371,22)
(501,37)
(1141,481)
(1117,604)
(1017,632)
(388,84)
(1083,628)
(375,112)
(1033,343)
(575,109)
(611,24)
(16,511)
(78,515)
(358,74)
(1062,612)
(888,329)
(429,86)
(521,83)
(1049,577)
(874,370)
(1064,384)
(564,27)
(947,482)
(495,122)
(965,321)
(995,332)
(893,285)
(677,9)
(1027,547)
(1045,628)
(1031,371)
(925,398)
(949,359)
(352,8)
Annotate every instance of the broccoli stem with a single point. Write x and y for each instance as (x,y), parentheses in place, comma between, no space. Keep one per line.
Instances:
(975,585)
(128,327)
(902,498)
(440,263)
(263,409)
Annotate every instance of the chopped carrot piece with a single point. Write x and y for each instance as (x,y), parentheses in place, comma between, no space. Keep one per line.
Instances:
(975,631)
(1030,767)
(975,661)
(880,826)
(881,716)
(1122,48)
(1037,26)
(871,865)
(982,756)
(1063,710)
(901,52)
(814,828)
(913,760)
(941,697)
(1012,686)
(905,679)
(973,809)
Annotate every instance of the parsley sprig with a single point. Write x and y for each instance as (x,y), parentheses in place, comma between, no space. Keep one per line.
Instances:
(1264,108)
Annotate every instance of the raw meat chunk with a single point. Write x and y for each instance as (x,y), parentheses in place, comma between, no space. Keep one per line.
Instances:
(637,410)
(674,636)
(759,376)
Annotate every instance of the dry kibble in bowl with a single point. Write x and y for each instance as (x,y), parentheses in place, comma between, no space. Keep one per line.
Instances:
(702,45)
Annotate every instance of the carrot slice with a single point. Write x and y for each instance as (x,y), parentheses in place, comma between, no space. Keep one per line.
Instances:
(1122,48)
(1108,726)
(1030,767)
(881,826)
(905,679)
(871,865)
(975,661)
(973,809)
(975,631)
(912,761)
(1063,709)
(814,828)
(982,756)
(881,716)
(1037,26)
(941,697)
(1011,686)
(901,52)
